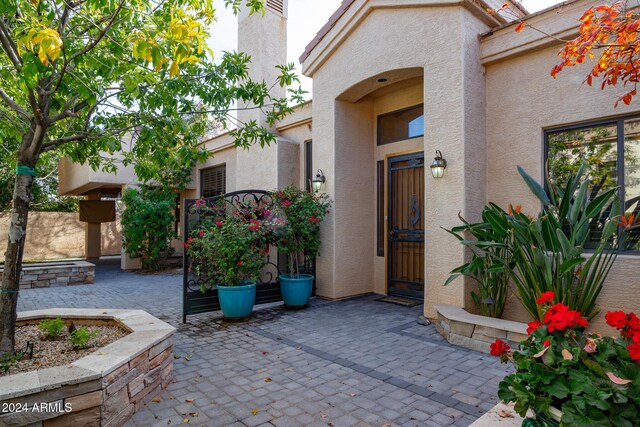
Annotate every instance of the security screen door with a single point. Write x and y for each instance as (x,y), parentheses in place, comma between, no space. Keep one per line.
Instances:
(406,225)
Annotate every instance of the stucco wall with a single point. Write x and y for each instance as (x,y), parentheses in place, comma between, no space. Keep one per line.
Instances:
(369,53)
(522,100)
(57,235)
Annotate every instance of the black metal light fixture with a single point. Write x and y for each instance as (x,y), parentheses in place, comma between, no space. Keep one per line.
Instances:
(318,181)
(438,166)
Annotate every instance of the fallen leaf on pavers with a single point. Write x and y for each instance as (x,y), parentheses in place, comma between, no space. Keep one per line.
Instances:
(188,358)
(168,422)
(267,380)
(386,425)
(156,400)
(330,424)
(188,400)
(255,411)
(322,415)
(352,394)
(264,352)
(176,357)
(193,414)
(505,413)
(186,420)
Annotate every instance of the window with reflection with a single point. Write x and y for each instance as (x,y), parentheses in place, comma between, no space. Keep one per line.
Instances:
(611,153)
(401,125)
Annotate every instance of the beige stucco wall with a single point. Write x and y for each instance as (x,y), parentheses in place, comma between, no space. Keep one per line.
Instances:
(522,100)
(57,235)
(451,95)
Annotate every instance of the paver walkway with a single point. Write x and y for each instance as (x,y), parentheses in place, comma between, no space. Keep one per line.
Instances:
(343,363)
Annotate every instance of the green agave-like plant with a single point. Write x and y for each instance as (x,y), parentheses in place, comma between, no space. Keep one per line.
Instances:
(547,252)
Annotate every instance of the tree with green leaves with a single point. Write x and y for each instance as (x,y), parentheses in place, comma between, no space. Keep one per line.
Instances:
(86,77)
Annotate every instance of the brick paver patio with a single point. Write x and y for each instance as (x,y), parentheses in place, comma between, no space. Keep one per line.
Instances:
(343,363)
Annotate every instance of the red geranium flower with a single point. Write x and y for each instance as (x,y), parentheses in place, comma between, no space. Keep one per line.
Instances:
(617,319)
(286,203)
(200,202)
(634,351)
(313,219)
(240,263)
(219,223)
(547,343)
(201,233)
(533,326)
(558,317)
(190,239)
(546,297)
(498,347)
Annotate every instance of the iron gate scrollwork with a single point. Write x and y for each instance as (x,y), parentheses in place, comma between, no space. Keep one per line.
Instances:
(200,294)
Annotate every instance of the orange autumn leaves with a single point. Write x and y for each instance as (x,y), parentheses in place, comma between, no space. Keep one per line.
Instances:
(612,32)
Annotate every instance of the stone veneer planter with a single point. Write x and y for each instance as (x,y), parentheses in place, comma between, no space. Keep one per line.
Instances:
(50,274)
(477,332)
(104,388)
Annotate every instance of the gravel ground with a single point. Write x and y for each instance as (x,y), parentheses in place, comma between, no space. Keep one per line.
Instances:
(48,353)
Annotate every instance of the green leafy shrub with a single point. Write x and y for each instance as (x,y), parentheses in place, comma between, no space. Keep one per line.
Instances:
(148,225)
(52,328)
(9,359)
(491,263)
(592,380)
(304,212)
(80,337)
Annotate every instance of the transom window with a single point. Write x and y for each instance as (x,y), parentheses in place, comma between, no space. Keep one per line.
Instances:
(611,152)
(400,125)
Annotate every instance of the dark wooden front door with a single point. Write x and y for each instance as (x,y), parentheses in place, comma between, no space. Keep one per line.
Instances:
(406,225)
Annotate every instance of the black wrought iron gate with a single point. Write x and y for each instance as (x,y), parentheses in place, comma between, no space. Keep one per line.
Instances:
(406,225)
(200,294)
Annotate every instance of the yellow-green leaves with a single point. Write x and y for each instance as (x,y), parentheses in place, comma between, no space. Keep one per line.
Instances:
(46,42)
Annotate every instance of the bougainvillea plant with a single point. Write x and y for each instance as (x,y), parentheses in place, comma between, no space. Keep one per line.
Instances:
(304,211)
(229,248)
(591,379)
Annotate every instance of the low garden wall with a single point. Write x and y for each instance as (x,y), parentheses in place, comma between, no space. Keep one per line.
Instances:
(104,388)
(475,332)
(50,274)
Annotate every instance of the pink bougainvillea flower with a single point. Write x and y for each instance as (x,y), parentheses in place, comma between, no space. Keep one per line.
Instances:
(200,202)
(546,297)
(314,219)
(286,203)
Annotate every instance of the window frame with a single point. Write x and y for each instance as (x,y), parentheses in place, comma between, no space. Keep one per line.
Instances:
(401,110)
(618,122)
(210,168)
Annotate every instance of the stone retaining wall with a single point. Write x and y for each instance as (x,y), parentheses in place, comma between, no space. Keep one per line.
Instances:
(477,332)
(46,275)
(104,388)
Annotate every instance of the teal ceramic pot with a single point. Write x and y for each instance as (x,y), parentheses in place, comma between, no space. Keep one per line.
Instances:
(296,291)
(237,302)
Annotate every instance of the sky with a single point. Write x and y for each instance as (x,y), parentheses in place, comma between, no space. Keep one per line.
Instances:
(306,17)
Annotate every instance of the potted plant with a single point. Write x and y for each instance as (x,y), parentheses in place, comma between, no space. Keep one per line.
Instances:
(570,377)
(300,239)
(230,251)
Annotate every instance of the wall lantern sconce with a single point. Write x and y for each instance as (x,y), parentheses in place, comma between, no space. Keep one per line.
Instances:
(318,181)
(438,166)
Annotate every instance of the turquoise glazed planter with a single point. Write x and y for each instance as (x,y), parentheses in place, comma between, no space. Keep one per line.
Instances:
(296,291)
(236,302)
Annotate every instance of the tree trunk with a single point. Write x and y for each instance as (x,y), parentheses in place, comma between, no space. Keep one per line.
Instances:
(17,232)
(13,261)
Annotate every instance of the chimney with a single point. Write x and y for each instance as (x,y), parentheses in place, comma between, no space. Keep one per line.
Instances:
(264,39)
